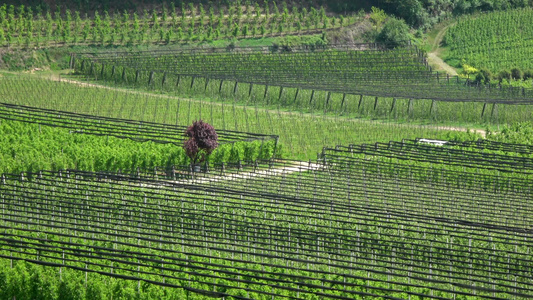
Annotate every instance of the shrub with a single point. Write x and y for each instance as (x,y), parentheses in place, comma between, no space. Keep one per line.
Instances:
(517,74)
(411,10)
(480,78)
(520,133)
(378,16)
(504,74)
(528,74)
(395,33)
(467,70)
(484,76)
(203,139)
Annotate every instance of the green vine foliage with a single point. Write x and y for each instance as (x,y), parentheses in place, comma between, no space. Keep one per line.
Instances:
(59,149)
(103,27)
(518,133)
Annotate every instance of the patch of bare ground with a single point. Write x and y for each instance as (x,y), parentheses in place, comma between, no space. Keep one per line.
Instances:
(433,57)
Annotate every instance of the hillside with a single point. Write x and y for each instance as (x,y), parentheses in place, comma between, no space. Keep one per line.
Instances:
(22,27)
(261,150)
(496,41)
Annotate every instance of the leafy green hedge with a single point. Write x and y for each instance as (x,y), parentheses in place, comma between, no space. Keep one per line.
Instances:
(23,280)
(30,148)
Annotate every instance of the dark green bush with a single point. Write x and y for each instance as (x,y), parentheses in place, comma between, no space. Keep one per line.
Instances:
(517,74)
(395,33)
(528,74)
(484,76)
(504,74)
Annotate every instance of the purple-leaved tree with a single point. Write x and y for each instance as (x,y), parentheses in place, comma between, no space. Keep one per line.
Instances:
(203,139)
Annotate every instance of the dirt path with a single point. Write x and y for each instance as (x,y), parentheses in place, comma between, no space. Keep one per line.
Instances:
(433,57)
(439,37)
(293,167)
(481,132)
(439,65)
(212,177)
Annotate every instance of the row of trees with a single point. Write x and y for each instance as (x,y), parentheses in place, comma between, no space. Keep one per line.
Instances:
(20,25)
(486,76)
(44,6)
(417,13)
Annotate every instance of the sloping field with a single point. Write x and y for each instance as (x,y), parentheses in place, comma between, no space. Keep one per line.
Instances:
(397,73)
(346,229)
(496,41)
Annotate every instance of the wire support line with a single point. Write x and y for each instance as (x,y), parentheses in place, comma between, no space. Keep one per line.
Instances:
(399,73)
(388,183)
(427,277)
(121,128)
(482,144)
(339,209)
(234,271)
(446,156)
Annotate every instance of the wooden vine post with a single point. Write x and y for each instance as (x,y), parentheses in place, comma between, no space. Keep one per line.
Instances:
(494,112)
(483,111)
(250,89)
(178,82)
(266,91)
(342,102)
(312,96)
(433,108)
(151,78)
(328,96)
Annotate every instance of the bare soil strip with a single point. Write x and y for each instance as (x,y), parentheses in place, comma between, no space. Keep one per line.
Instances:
(292,167)
(433,56)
